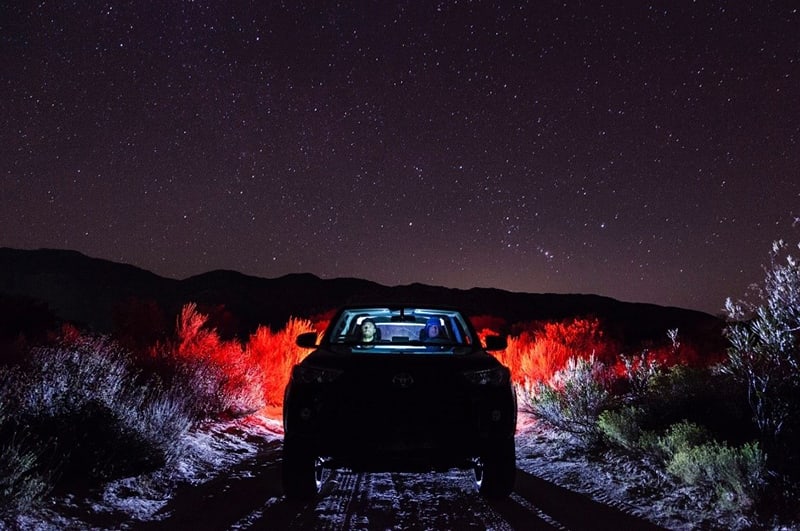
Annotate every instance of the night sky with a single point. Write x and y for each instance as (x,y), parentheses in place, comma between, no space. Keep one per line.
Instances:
(644,151)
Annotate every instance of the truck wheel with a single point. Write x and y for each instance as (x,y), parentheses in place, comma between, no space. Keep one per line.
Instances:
(300,472)
(496,470)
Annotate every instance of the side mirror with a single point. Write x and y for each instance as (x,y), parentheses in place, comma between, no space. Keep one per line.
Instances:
(307,340)
(496,342)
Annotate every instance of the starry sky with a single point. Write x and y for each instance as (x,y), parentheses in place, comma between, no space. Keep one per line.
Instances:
(646,151)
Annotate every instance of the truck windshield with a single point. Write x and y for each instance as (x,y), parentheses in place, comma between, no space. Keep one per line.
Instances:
(397,330)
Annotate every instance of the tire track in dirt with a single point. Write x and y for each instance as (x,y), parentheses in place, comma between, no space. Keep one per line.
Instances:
(225,501)
(249,496)
(445,500)
(390,501)
(573,510)
(450,501)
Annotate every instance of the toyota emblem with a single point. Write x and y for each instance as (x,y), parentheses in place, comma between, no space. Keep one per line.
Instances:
(402,380)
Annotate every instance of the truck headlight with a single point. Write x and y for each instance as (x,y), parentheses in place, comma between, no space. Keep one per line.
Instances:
(311,375)
(496,376)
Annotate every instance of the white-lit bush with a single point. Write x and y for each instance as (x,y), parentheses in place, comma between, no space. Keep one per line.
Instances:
(95,416)
(574,398)
(640,370)
(764,352)
(22,483)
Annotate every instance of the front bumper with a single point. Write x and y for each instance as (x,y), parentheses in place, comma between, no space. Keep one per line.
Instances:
(401,434)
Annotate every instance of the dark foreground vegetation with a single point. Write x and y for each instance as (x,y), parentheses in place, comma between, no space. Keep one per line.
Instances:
(78,409)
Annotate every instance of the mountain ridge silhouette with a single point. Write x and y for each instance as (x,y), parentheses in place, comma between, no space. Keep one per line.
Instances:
(87,291)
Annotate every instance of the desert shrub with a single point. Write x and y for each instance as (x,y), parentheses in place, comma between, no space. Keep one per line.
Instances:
(764,353)
(659,392)
(219,376)
(687,451)
(538,350)
(243,389)
(22,483)
(639,372)
(622,427)
(159,417)
(674,394)
(680,437)
(64,378)
(82,403)
(701,395)
(275,353)
(737,474)
(688,353)
(677,382)
(574,398)
(223,376)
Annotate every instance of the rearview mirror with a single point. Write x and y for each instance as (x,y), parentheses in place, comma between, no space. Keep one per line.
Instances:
(307,340)
(496,342)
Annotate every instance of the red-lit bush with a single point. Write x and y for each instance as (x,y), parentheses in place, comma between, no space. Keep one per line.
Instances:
(225,371)
(676,352)
(228,376)
(542,349)
(215,373)
(224,375)
(321,321)
(275,353)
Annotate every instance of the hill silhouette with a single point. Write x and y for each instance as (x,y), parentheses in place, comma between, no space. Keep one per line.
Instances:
(89,292)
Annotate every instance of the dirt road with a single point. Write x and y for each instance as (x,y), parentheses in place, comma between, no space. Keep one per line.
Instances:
(249,497)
